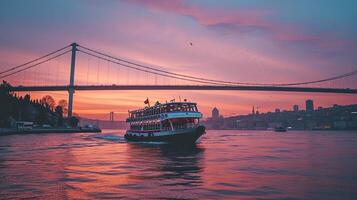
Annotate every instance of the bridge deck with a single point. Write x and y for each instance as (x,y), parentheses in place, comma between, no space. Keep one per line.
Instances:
(184,87)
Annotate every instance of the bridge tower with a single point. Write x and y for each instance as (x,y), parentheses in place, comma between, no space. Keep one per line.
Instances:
(71,79)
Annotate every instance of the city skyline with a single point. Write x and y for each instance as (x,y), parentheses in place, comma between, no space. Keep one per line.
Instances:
(230,40)
(294,107)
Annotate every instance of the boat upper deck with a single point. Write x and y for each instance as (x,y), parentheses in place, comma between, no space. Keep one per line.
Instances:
(159,108)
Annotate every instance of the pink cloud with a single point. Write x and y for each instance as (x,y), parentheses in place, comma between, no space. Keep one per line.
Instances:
(237,21)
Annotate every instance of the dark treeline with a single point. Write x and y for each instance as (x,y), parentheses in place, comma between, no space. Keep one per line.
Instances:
(22,108)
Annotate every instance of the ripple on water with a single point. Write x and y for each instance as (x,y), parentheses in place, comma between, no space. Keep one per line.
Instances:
(225,165)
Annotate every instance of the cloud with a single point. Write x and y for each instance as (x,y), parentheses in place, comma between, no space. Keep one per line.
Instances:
(237,21)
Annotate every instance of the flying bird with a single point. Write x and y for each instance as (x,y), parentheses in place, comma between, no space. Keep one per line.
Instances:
(191,44)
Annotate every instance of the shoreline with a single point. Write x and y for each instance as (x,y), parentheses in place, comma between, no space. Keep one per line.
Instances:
(287,130)
(11,131)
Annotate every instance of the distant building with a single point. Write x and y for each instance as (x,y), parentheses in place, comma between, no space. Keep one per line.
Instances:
(216,121)
(111,116)
(296,108)
(215,113)
(309,105)
(277,110)
(342,117)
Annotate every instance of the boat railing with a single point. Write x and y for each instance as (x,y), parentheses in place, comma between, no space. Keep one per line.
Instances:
(156,116)
(179,127)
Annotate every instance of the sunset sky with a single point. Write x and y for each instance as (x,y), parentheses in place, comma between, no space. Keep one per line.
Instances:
(266,41)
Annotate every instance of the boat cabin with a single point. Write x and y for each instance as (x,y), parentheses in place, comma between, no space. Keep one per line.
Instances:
(165,117)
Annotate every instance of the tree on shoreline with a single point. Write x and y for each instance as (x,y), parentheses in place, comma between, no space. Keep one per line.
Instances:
(17,108)
(64,105)
(48,101)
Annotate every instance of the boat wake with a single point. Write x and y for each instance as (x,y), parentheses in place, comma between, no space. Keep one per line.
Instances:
(149,143)
(115,138)
(121,139)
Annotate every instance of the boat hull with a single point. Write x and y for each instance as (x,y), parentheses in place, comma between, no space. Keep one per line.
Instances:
(185,136)
(280,130)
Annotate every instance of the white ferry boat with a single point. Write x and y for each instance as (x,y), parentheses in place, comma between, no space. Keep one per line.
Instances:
(174,122)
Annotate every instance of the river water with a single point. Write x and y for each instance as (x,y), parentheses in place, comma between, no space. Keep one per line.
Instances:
(224,165)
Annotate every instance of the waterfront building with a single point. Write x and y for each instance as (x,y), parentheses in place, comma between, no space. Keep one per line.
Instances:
(296,108)
(215,113)
(309,105)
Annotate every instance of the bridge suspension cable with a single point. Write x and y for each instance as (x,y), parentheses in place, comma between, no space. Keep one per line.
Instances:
(153,70)
(37,59)
(33,65)
(211,81)
(145,70)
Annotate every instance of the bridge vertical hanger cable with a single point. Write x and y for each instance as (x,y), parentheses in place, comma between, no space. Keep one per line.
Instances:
(127,81)
(108,72)
(98,71)
(48,73)
(23,76)
(117,78)
(35,76)
(87,69)
(57,72)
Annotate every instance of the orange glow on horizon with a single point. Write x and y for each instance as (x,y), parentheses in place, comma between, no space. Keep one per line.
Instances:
(98,104)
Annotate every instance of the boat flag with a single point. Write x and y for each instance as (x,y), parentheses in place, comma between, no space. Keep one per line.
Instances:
(147,101)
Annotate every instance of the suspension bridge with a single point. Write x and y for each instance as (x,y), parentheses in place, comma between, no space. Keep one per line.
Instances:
(51,73)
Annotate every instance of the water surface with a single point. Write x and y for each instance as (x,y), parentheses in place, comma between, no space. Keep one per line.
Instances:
(225,164)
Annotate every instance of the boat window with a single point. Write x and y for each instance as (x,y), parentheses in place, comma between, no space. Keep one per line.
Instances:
(183,123)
